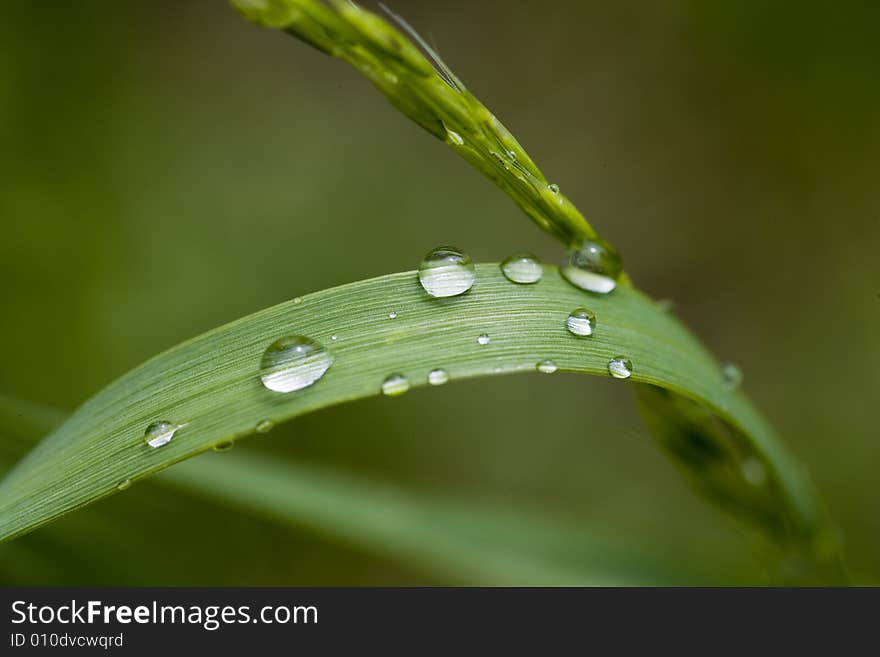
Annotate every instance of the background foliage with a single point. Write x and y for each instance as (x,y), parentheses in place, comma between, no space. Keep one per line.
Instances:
(167,168)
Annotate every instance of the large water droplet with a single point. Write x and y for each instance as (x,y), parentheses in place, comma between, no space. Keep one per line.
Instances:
(620,367)
(264,426)
(437,377)
(483,339)
(160,433)
(581,321)
(522,268)
(553,187)
(594,266)
(546,366)
(395,385)
(125,484)
(293,362)
(446,272)
(392,315)
(455,138)
(732,376)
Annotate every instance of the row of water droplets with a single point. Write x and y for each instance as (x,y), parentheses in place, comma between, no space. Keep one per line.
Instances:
(295,362)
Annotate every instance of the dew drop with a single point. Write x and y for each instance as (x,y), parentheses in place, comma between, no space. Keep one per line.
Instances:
(455,138)
(553,187)
(522,268)
(446,272)
(223,446)
(732,376)
(334,337)
(437,377)
(594,266)
(620,367)
(753,471)
(293,362)
(546,366)
(581,322)
(392,315)
(483,339)
(297,300)
(125,484)
(395,385)
(264,426)
(160,433)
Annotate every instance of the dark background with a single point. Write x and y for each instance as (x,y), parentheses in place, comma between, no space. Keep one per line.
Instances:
(166,167)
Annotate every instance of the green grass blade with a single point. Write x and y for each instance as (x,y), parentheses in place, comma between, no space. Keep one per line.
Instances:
(432,97)
(211,383)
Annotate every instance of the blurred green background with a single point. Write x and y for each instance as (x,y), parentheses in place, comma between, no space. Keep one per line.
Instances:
(166,167)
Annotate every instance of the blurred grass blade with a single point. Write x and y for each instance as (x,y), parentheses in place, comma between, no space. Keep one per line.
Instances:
(428,93)
(211,383)
(463,539)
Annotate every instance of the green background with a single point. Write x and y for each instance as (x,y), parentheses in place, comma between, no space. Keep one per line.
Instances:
(166,167)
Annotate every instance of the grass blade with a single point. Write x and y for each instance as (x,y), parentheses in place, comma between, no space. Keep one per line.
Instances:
(211,384)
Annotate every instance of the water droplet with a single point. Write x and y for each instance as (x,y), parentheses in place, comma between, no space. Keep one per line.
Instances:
(446,272)
(333,337)
(511,155)
(297,300)
(392,315)
(160,433)
(264,426)
(395,385)
(293,362)
(732,376)
(483,339)
(753,471)
(125,484)
(620,367)
(594,266)
(455,138)
(223,446)
(438,377)
(522,268)
(553,187)
(581,321)
(546,366)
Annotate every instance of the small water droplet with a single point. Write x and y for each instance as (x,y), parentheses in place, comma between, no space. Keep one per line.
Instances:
(160,433)
(455,138)
(553,187)
(581,321)
(395,385)
(223,446)
(333,337)
(522,268)
(297,300)
(732,376)
(511,155)
(546,366)
(264,426)
(446,272)
(753,471)
(594,266)
(620,367)
(125,484)
(392,315)
(293,362)
(437,377)
(483,339)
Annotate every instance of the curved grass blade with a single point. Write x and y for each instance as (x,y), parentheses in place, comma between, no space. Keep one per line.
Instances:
(211,384)
(430,94)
